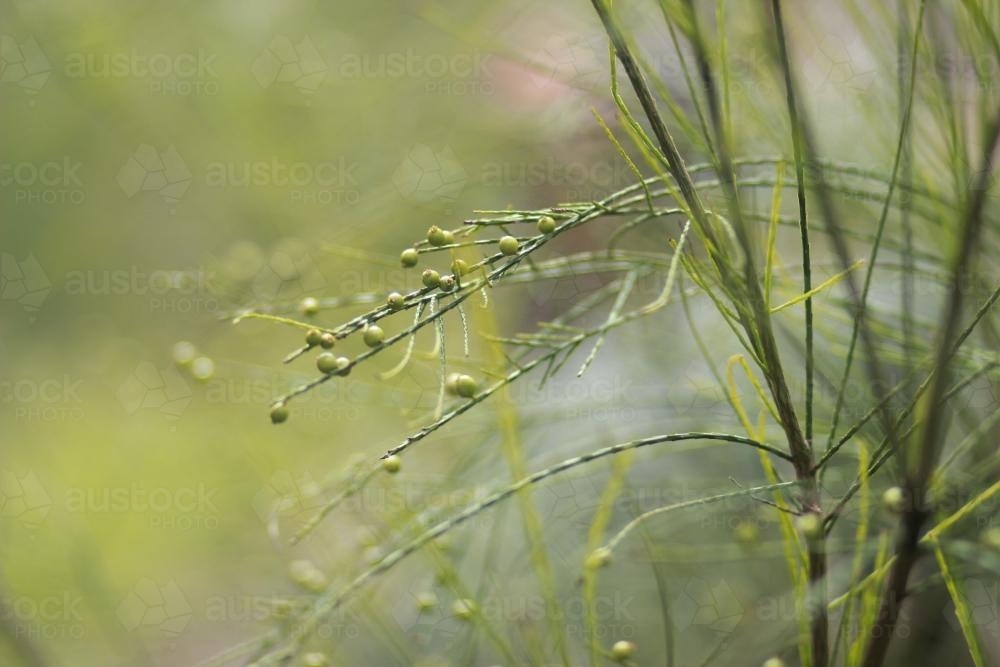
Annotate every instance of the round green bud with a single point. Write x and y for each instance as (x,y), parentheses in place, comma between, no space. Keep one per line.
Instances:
(315,659)
(327,340)
(598,558)
(447,283)
(396,300)
(307,575)
(313,336)
(184,353)
(392,464)
(509,245)
(463,609)
(426,600)
(373,336)
(459,267)
(430,278)
(746,533)
(309,306)
(343,364)
(409,258)
(327,363)
(279,414)
(202,369)
(774,662)
(438,237)
(465,386)
(810,525)
(894,500)
(546,224)
(623,650)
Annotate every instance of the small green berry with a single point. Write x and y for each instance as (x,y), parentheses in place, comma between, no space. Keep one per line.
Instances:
(465,386)
(598,558)
(426,600)
(202,369)
(184,353)
(463,609)
(279,414)
(309,306)
(343,364)
(315,659)
(459,267)
(327,340)
(894,500)
(623,650)
(438,237)
(313,337)
(810,525)
(774,662)
(392,464)
(327,363)
(373,336)
(431,278)
(509,245)
(409,258)
(746,533)
(546,224)
(447,283)
(396,301)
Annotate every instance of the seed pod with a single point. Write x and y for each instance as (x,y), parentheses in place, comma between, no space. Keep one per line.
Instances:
(312,337)
(392,464)
(309,306)
(373,336)
(546,224)
(509,245)
(409,258)
(327,340)
(431,278)
(396,301)
(623,650)
(459,267)
(447,283)
(343,364)
(279,414)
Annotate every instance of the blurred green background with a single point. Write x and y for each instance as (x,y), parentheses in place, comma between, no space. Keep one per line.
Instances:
(164,166)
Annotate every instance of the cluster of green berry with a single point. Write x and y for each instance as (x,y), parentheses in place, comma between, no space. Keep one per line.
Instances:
(328,363)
